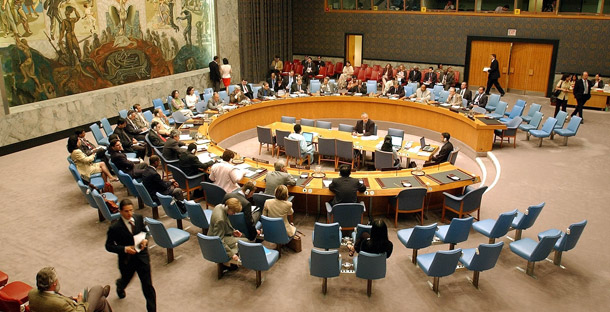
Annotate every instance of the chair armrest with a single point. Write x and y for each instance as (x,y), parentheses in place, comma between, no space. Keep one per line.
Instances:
(453,197)
(290,198)
(363,205)
(329,208)
(199,175)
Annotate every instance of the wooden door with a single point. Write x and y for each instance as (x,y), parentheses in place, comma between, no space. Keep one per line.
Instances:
(530,66)
(349,48)
(480,57)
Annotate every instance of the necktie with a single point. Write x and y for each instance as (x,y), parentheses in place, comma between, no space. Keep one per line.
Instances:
(133,226)
(586,85)
(162,138)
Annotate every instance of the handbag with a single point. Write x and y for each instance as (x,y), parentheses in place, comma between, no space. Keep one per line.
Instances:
(108,188)
(112,206)
(556,93)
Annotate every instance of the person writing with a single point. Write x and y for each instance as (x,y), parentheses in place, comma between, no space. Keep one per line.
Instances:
(221,226)
(345,187)
(377,242)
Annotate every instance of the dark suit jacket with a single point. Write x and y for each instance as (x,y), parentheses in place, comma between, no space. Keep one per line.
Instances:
(494,72)
(482,100)
(119,236)
(295,87)
(345,189)
(247,91)
(579,90)
(153,183)
(171,149)
(190,164)
(246,208)
(124,138)
(286,80)
(276,84)
(431,77)
(443,154)
(400,91)
(155,139)
(358,89)
(122,163)
(368,129)
(415,76)
(134,131)
(467,95)
(261,93)
(214,71)
(314,68)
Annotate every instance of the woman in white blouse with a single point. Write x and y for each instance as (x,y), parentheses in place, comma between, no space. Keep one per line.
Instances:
(190,98)
(348,71)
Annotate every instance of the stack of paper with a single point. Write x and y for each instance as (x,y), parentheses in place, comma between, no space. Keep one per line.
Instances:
(185,137)
(425,154)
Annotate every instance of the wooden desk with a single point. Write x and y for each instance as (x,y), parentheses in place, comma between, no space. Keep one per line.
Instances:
(598,99)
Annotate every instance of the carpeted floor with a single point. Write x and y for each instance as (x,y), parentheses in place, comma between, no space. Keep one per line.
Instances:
(45,221)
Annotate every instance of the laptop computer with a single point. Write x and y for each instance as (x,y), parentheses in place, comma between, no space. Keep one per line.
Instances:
(397,142)
(424,146)
(308,137)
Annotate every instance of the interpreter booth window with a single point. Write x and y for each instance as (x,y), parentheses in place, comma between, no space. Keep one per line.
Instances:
(465,5)
(439,5)
(579,6)
(496,5)
(607,7)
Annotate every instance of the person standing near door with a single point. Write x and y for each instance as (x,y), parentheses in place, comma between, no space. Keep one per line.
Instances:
(493,74)
(582,93)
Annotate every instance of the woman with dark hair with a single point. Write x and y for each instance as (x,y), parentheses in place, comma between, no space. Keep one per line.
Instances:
(387,77)
(377,242)
(225,72)
(562,99)
(572,80)
(348,71)
(388,147)
(84,164)
(178,106)
(190,98)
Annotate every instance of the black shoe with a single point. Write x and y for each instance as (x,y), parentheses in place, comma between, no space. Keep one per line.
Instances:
(119,291)
(582,121)
(502,94)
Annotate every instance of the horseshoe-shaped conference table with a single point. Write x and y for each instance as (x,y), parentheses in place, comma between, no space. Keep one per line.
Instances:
(381,185)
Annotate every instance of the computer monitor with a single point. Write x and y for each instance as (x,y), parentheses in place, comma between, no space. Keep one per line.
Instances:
(422,142)
(308,136)
(396,141)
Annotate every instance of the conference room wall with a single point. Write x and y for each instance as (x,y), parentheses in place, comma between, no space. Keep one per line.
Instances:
(441,38)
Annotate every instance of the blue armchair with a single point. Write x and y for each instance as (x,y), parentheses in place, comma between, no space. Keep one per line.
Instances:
(567,241)
(171,208)
(324,264)
(533,251)
(187,183)
(275,232)
(256,257)
(213,194)
(167,238)
(524,221)
(481,259)
(439,264)
(456,232)
(417,238)
(370,267)
(465,204)
(326,236)
(495,228)
(213,251)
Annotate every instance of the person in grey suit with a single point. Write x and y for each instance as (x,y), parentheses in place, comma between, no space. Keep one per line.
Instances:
(171,148)
(464,92)
(345,187)
(298,87)
(221,226)
(278,177)
(327,86)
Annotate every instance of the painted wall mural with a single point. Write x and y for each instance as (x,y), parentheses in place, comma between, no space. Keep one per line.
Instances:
(53,48)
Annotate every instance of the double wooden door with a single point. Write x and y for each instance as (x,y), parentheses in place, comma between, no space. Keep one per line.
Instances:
(524,67)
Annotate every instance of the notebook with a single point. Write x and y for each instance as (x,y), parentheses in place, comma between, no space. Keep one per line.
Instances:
(424,146)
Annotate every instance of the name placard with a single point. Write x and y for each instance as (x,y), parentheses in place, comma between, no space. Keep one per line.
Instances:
(262,161)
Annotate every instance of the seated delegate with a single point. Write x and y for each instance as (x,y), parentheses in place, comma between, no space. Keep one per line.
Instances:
(221,226)
(280,207)
(364,126)
(345,187)
(443,153)
(84,164)
(306,149)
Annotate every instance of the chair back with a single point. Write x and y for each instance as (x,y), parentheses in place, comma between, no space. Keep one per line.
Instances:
(201,106)
(514,123)
(323,124)
(224,96)
(206,98)
(264,135)
(101,205)
(11,300)
(533,109)
(458,230)
(171,208)
(314,86)
(472,199)
(359,230)
(535,122)
(411,199)
(97,134)
(529,217)
(383,160)
(275,230)
(568,240)
(339,68)
(502,225)
(370,266)
(212,248)
(290,120)
(158,103)
(515,112)
(123,113)
(179,117)
(437,89)
(196,214)
(307,122)
(280,135)
(422,236)
(260,199)
(479,110)
(74,172)
(208,91)
(348,215)
(324,264)
(159,233)
(126,180)
(444,262)
(443,96)
(107,127)
(327,147)
(292,148)
(561,119)
(87,192)
(254,256)
(408,90)
(345,149)
(148,115)
(238,221)
(371,86)
(213,193)
(453,156)
(520,103)
(230,89)
(255,90)
(326,236)
(549,125)
(182,178)
(500,108)
(486,257)
(396,132)
(346,128)
(544,247)
(143,192)
(493,101)
(574,124)
(464,103)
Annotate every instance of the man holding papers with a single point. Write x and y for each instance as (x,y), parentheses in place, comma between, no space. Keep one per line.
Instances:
(443,154)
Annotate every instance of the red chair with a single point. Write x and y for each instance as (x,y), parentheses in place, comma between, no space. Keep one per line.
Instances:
(457,77)
(364,66)
(296,61)
(356,71)
(339,68)
(322,73)
(377,68)
(368,72)
(330,69)
(3,279)
(286,63)
(13,295)
(361,75)
(299,69)
(375,75)
(287,69)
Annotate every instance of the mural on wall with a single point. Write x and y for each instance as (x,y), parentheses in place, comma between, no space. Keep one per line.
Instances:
(53,48)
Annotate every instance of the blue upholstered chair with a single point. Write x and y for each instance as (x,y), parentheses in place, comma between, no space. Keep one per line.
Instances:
(179,117)
(324,124)
(436,91)
(479,110)
(498,112)
(519,103)
(123,113)
(492,102)
(533,251)
(481,259)
(256,257)
(255,91)
(164,162)
(408,91)
(265,136)
(97,134)
(347,215)
(456,232)
(206,98)
(327,150)
(238,221)
(409,200)
(546,130)
(385,161)
(533,124)
(561,120)
(107,127)
(359,230)
(148,115)
(230,89)
(524,221)
(87,193)
(530,113)
(413,85)
(495,228)
(198,216)
(464,103)
(275,232)
(224,96)
(314,86)
(96,181)
(127,181)
(570,130)
(213,194)
(208,91)
(346,128)
(288,119)
(370,267)
(101,205)
(186,183)
(509,132)
(307,122)
(439,264)
(201,106)
(166,238)
(324,264)
(326,236)
(171,208)
(465,204)
(567,241)
(516,112)
(213,251)
(442,96)
(145,196)
(417,238)
(371,86)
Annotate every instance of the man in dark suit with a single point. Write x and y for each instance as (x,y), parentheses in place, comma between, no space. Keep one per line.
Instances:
(289,81)
(493,74)
(246,89)
(156,139)
(430,78)
(190,164)
(443,154)
(298,87)
(309,70)
(153,183)
(275,82)
(130,144)
(582,93)
(119,159)
(265,91)
(480,98)
(132,129)
(171,148)
(396,90)
(215,73)
(244,195)
(120,240)
(464,92)
(415,75)
(364,126)
(345,187)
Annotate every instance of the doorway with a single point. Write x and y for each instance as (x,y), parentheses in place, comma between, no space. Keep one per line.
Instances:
(353,49)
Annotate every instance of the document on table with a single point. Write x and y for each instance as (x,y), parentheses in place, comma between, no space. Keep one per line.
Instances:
(185,137)
(327,182)
(137,240)
(425,154)
(369,138)
(204,157)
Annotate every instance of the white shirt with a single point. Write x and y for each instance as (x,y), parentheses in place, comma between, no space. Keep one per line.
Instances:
(127,224)
(302,142)
(191,100)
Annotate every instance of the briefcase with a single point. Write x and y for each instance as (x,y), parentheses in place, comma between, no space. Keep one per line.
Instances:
(295,244)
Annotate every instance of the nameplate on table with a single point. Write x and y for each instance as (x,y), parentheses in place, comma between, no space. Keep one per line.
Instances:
(301,167)
(260,160)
